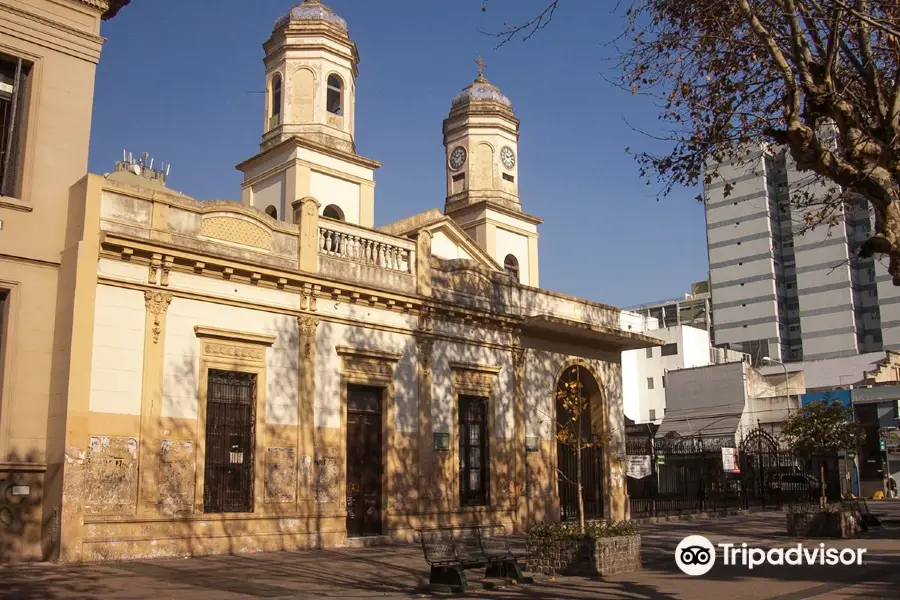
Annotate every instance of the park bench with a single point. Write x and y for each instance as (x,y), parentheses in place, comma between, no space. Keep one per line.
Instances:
(860,509)
(865,515)
(451,551)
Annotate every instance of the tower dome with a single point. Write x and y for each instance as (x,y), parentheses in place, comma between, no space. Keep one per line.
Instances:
(312,10)
(481,90)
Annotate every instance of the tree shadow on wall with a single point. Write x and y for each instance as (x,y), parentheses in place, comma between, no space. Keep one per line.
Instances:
(21,491)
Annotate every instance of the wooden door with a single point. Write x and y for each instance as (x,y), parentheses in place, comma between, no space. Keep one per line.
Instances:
(364,462)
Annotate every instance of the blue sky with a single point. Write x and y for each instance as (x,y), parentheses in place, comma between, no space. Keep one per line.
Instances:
(180,80)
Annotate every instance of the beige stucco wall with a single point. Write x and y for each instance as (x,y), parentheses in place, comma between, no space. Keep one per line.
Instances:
(510,242)
(217,302)
(443,247)
(181,381)
(118,358)
(61,39)
(337,191)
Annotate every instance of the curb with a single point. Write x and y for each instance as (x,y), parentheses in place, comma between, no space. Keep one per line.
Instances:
(694,516)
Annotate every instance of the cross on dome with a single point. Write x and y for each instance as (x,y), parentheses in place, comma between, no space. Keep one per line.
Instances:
(481,65)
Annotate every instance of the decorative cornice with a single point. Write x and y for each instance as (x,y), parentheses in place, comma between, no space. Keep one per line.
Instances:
(109,8)
(350,352)
(321,148)
(101,5)
(474,379)
(234,336)
(114,7)
(464,366)
(230,351)
(276,309)
(90,37)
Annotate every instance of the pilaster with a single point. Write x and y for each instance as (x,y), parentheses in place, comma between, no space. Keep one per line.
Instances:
(306,214)
(306,430)
(424,348)
(157,304)
(423,263)
(520,356)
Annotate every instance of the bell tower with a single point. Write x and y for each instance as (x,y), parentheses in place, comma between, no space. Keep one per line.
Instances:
(311,68)
(481,141)
(311,65)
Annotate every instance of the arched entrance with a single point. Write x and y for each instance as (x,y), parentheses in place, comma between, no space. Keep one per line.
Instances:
(590,423)
(760,464)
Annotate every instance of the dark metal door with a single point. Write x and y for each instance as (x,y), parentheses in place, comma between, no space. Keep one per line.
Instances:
(364,462)
(228,476)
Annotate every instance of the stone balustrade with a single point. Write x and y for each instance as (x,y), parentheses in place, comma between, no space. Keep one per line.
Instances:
(364,246)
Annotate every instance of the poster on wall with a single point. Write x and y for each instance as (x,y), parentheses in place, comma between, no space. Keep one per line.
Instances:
(729,465)
(638,467)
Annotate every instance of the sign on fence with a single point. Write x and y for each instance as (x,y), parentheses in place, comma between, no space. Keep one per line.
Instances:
(728,463)
(890,438)
(639,467)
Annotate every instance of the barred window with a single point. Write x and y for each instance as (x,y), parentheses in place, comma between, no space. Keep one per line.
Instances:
(473,451)
(228,479)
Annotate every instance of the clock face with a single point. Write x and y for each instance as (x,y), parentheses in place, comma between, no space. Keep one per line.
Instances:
(508,157)
(457,158)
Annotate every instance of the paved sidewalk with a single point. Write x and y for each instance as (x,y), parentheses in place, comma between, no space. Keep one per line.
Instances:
(397,571)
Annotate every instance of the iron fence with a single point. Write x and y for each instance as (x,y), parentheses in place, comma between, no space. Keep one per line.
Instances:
(687,475)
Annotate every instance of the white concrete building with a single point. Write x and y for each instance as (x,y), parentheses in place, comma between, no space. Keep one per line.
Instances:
(644,371)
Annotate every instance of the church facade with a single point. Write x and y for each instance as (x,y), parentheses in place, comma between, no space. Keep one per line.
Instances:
(278,373)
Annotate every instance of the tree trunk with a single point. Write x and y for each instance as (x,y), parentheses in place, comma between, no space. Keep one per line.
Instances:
(822,500)
(578,479)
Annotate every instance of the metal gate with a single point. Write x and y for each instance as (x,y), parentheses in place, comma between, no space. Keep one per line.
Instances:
(686,476)
(770,476)
(228,478)
(592,482)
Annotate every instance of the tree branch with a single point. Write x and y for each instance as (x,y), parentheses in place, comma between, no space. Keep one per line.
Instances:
(532,26)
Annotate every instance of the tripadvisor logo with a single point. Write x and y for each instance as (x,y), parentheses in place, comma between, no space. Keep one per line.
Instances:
(695,555)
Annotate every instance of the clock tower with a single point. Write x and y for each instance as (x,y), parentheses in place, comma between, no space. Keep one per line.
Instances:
(481,139)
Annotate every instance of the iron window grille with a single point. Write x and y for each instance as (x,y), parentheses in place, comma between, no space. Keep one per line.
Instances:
(230,441)
(473,451)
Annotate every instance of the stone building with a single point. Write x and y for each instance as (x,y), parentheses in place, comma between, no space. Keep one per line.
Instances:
(278,373)
(48,55)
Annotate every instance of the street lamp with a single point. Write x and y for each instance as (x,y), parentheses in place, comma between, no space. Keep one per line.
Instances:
(787,391)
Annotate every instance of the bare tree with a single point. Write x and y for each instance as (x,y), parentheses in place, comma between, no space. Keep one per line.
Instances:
(574,430)
(817,78)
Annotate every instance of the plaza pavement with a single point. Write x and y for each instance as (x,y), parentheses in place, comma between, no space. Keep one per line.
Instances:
(400,571)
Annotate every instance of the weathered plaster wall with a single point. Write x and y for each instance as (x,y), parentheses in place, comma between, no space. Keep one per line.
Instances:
(118,357)
(510,242)
(270,192)
(330,336)
(333,190)
(444,247)
(444,402)
(182,352)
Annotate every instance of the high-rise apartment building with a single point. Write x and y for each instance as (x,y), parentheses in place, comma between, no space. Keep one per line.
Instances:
(781,294)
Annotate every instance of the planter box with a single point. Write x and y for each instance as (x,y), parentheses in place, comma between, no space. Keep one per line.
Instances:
(822,524)
(585,556)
